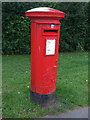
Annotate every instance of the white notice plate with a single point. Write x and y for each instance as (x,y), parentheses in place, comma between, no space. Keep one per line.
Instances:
(50,46)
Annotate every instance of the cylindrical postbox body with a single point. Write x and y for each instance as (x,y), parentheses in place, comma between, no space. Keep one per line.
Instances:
(45,34)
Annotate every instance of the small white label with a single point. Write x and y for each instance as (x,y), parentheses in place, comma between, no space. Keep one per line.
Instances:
(50,46)
(52,25)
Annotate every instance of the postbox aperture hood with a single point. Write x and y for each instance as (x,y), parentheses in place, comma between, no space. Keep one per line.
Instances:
(44,12)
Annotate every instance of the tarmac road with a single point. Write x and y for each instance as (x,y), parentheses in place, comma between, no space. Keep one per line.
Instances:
(77,113)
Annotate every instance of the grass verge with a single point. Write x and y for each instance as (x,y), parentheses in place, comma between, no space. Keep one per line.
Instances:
(71,92)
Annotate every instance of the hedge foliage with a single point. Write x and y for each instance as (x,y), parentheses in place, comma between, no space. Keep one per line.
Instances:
(16,27)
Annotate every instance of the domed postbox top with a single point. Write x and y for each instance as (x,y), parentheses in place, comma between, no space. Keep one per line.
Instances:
(44,12)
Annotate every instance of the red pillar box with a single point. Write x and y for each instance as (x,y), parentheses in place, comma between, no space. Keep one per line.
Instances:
(45,34)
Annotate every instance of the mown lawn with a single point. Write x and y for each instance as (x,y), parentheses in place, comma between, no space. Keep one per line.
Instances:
(71,92)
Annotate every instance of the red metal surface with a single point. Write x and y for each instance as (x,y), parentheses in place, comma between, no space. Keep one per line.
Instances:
(44,67)
(44,11)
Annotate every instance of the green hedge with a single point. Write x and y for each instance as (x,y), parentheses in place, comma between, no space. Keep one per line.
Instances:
(16,27)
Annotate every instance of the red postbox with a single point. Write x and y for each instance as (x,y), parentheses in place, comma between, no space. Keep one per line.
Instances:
(45,30)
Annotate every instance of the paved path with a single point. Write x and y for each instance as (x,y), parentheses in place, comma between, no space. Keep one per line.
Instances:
(77,113)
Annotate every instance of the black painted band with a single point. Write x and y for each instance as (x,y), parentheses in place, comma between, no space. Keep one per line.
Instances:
(42,99)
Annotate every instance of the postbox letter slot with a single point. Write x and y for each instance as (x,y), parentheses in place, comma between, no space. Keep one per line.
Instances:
(50,32)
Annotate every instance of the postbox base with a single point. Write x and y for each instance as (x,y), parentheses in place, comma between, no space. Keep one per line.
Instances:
(43,99)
